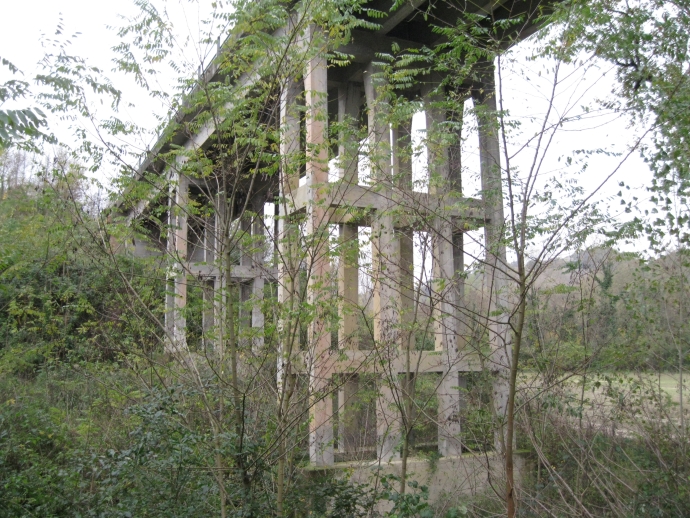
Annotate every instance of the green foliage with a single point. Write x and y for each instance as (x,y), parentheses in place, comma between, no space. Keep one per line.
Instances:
(412,503)
(337,497)
(647,43)
(58,300)
(17,125)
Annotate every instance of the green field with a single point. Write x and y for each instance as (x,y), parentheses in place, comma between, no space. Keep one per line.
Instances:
(668,382)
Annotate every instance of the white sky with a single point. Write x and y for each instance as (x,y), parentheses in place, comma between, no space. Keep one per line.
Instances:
(30,27)
(526,83)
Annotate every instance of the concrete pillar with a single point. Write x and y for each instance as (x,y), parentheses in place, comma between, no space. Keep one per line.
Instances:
(402,176)
(246,257)
(245,287)
(483,96)
(463,327)
(388,420)
(349,426)
(463,317)
(386,265)
(348,287)
(455,117)
(245,310)
(443,289)
(444,179)
(319,342)
(180,231)
(221,228)
(349,100)
(208,322)
(287,235)
(170,276)
(451,403)
(349,103)
(258,282)
(210,240)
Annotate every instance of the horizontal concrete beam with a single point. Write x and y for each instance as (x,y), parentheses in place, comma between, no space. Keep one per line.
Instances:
(343,198)
(353,361)
(238,272)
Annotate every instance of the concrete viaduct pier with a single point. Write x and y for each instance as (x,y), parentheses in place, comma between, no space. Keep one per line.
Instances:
(220,239)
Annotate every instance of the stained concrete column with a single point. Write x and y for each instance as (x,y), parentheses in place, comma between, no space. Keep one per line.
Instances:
(349,100)
(179,231)
(443,292)
(207,242)
(483,95)
(444,179)
(287,231)
(221,231)
(210,240)
(170,274)
(402,177)
(451,403)
(349,425)
(208,315)
(319,341)
(349,104)
(455,185)
(258,282)
(386,265)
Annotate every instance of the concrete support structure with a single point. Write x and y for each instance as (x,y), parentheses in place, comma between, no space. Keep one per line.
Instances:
(178,217)
(483,95)
(319,342)
(309,211)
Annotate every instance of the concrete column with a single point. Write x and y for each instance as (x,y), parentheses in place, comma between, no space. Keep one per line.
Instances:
(287,236)
(245,287)
(483,96)
(221,228)
(258,282)
(463,327)
(208,316)
(388,421)
(463,316)
(349,426)
(170,275)
(454,150)
(349,103)
(450,407)
(386,266)
(210,240)
(245,320)
(349,100)
(348,287)
(443,288)
(319,341)
(386,250)
(402,175)
(180,263)
(444,178)
(246,258)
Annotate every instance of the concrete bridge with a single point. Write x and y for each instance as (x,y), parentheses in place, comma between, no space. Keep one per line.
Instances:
(325,189)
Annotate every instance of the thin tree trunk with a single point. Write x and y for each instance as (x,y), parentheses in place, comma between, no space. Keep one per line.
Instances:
(511,501)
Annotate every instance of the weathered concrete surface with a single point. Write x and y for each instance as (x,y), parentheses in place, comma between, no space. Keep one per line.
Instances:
(451,479)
